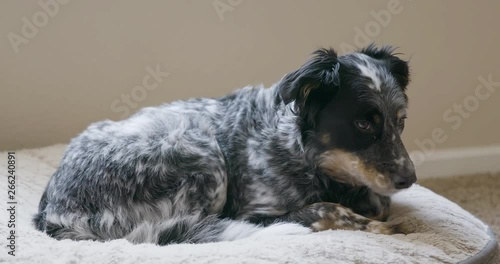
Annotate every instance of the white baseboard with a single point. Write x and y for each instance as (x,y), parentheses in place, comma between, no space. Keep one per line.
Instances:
(459,161)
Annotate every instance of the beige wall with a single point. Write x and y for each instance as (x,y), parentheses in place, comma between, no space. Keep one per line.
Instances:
(91,52)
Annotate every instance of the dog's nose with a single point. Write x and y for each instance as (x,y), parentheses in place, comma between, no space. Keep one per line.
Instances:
(401,182)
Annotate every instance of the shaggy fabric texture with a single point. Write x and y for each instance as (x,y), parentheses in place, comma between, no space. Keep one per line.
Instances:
(478,194)
(442,232)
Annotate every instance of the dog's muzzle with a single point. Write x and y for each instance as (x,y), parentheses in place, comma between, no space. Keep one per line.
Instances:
(403,181)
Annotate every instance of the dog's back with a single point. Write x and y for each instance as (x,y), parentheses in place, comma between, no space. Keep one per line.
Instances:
(154,177)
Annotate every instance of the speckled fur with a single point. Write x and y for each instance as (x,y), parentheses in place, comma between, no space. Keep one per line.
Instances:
(217,169)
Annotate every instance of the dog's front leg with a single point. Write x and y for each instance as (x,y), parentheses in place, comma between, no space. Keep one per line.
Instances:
(369,204)
(325,216)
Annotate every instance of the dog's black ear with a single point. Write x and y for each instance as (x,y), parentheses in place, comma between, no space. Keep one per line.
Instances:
(312,85)
(398,67)
(400,70)
(314,82)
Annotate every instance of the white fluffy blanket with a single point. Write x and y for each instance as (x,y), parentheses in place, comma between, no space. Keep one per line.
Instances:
(444,232)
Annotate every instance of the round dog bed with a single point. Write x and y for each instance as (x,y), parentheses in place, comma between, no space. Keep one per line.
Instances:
(442,233)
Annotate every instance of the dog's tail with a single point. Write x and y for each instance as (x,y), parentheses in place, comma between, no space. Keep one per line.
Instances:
(39,218)
(181,229)
(197,229)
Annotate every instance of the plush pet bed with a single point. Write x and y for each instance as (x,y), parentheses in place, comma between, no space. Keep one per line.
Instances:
(443,232)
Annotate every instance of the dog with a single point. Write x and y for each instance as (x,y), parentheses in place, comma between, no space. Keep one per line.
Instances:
(321,149)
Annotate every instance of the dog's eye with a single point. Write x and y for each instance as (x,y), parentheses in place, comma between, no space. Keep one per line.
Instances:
(363,125)
(401,122)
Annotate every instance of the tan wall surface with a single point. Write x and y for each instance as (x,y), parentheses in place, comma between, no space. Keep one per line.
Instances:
(85,54)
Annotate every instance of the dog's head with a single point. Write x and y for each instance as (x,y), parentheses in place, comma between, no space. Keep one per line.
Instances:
(352,111)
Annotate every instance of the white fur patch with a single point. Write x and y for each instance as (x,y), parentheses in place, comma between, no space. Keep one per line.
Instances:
(370,71)
(282,229)
(400,161)
(107,219)
(239,230)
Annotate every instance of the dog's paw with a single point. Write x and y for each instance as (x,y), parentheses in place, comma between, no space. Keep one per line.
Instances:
(395,226)
(402,226)
(336,217)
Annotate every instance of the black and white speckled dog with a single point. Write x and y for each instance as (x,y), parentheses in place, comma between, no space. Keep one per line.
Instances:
(319,150)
